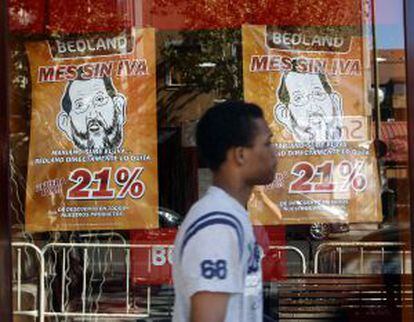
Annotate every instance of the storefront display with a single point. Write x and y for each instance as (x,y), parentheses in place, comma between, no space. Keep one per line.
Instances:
(151,258)
(93,140)
(101,162)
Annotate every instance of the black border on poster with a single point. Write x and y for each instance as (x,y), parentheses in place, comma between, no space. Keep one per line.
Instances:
(5,230)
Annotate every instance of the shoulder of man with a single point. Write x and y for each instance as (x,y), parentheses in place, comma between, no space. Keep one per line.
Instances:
(210,253)
(211,234)
(211,202)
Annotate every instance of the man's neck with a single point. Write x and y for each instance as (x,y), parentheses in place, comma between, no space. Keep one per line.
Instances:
(235,188)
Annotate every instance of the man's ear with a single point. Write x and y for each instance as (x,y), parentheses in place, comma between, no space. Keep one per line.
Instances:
(63,123)
(120,104)
(238,155)
(337,104)
(336,130)
(281,115)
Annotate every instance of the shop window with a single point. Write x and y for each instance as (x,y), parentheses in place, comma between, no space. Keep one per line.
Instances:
(103,203)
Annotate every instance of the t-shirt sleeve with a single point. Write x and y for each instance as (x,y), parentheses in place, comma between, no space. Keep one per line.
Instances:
(211,257)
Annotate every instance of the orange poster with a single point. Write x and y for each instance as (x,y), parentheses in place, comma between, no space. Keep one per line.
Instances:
(313,84)
(93,142)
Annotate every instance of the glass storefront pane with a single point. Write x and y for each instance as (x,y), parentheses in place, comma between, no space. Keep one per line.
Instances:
(104,164)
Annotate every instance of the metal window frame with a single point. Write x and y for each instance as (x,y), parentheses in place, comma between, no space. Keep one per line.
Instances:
(5,228)
(409,64)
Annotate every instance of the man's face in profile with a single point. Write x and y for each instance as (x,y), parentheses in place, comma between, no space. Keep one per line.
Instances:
(312,113)
(95,120)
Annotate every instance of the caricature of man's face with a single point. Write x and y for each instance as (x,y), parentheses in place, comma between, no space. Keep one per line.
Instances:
(312,113)
(95,119)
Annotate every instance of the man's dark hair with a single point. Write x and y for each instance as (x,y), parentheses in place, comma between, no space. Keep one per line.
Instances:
(283,92)
(66,101)
(223,126)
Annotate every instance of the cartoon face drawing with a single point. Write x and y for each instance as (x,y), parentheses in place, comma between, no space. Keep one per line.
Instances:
(93,115)
(309,108)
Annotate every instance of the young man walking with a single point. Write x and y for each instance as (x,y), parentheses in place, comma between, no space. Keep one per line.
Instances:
(217,262)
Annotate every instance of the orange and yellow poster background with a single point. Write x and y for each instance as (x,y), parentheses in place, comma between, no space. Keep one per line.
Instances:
(315,182)
(127,175)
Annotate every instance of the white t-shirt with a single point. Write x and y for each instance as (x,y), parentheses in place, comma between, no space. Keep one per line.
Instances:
(215,250)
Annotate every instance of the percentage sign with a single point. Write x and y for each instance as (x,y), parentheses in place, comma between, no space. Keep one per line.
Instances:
(353,176)
(130,183)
